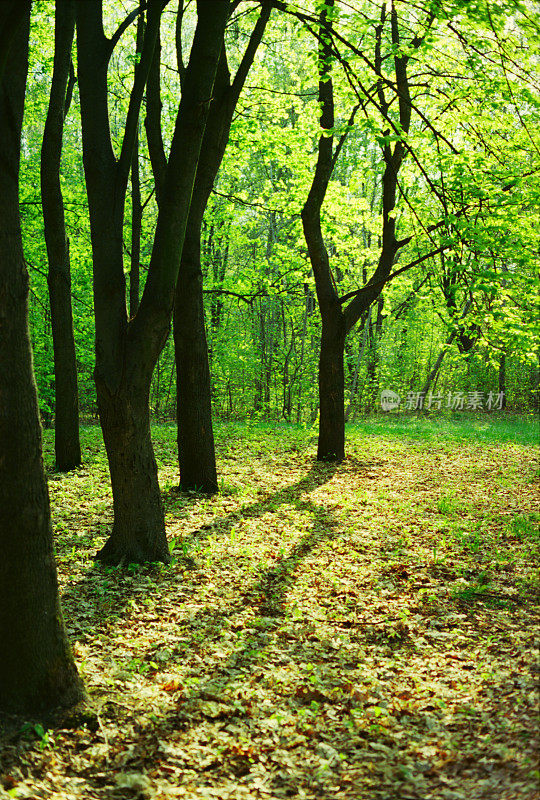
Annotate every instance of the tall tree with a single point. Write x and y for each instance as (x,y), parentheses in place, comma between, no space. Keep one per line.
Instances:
(196,453)
(127,349)
(340,314)
(66,435)
(136,204)
(37,672)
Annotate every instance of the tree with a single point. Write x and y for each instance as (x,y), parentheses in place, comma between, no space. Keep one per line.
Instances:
(338,319)
(195,436)
(67,445)
(127,349)
(194,415)
(37,672)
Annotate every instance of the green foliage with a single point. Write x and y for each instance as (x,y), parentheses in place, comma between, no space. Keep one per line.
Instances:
(472,169)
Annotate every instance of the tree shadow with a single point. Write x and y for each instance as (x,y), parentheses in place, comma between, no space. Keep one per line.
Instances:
(319,474)
(105,592)
(225,679)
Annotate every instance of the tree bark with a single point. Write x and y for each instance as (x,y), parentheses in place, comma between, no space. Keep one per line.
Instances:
(136,204)
(137,533)
(502,379)
(331,442)
(66,435)
(127,351)
(37,672)
(196,452)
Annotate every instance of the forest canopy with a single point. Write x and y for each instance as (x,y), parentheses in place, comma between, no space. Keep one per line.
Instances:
(466,201)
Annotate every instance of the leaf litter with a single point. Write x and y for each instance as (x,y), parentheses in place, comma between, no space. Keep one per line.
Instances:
(362,630)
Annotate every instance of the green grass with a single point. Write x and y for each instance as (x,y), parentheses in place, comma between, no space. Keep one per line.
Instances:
(466,427)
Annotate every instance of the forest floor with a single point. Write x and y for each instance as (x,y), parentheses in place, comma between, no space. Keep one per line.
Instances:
(361,631)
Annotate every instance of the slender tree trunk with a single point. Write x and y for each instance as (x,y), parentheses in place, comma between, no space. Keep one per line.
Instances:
(361,349)
(136,228)
(136,205)
(502,379)
(67,445)
(37,672)
(373,363)
(434,373)
(196,453)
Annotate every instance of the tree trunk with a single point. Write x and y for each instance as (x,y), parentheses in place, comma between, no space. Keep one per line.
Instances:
(434,373)
(66,440)
(137,533)
(502,379)
(372,378)
(331,443)
(136,205)
(354,384)
(37,672)
(196,452)
(136,228)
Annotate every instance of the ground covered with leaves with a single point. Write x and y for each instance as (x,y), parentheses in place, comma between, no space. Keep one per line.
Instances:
(365,630)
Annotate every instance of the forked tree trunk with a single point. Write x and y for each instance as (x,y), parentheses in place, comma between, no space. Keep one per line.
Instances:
(339,319)
(37,672)
(66,429)
(127,351)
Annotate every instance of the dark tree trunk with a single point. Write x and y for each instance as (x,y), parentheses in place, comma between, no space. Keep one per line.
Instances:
(37,672)
(338,319)
(136,206)
(138,510)
(331,443)
(127,352)
(136,227)
(66,437)
(196,452)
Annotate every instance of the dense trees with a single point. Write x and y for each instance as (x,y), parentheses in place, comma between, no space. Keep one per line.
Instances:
(37,671)
(262,333)
(380,162)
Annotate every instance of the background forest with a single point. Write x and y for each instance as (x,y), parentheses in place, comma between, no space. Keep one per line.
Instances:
(472,170)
